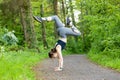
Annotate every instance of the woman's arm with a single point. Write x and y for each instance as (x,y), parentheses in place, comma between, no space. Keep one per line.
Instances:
(60,58)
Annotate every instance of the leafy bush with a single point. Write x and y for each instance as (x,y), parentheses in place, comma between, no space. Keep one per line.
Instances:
(9,38)
(103,20)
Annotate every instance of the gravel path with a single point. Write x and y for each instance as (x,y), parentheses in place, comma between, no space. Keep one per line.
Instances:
(76,67)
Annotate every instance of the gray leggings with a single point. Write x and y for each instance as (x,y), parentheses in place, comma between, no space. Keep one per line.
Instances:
(62,30)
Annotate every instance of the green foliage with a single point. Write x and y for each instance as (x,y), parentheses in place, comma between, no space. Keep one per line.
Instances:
(18,65)
(74,45)
(1,35)
(9,38)
(102,20)
(106,61)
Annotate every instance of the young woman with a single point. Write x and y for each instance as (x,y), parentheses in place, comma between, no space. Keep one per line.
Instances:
(63,32)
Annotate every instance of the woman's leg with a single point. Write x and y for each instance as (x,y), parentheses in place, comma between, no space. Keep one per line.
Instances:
(64,32)
(74,31)
(50,18)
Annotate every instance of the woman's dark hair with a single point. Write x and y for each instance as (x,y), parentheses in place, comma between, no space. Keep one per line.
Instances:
(50,54)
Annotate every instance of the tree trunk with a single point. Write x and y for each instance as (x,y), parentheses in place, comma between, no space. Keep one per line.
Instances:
(43,29)
(55,7)
(27,23)
(72,13)
(73,18)
(63,9)
(82,27)
(32,32)
(24,24)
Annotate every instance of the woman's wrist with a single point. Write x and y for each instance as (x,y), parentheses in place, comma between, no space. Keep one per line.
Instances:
(60,67)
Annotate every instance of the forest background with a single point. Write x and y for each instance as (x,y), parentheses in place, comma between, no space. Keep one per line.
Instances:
(24,41)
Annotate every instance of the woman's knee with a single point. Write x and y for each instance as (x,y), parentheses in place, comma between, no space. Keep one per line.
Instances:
(55,16)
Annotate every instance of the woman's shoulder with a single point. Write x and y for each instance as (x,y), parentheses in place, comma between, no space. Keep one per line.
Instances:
(58,47)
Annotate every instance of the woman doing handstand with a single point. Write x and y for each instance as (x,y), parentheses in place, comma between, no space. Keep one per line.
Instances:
(63,31)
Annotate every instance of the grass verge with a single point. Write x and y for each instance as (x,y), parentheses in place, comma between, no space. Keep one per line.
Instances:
(105,61)
(18,65)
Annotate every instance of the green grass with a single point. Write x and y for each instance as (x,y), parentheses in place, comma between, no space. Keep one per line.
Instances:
(18,65)
(104,60)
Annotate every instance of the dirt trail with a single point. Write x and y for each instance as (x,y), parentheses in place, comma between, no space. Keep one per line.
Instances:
(76,67)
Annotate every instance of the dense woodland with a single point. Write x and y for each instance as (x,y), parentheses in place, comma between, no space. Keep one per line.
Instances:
(98,21)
